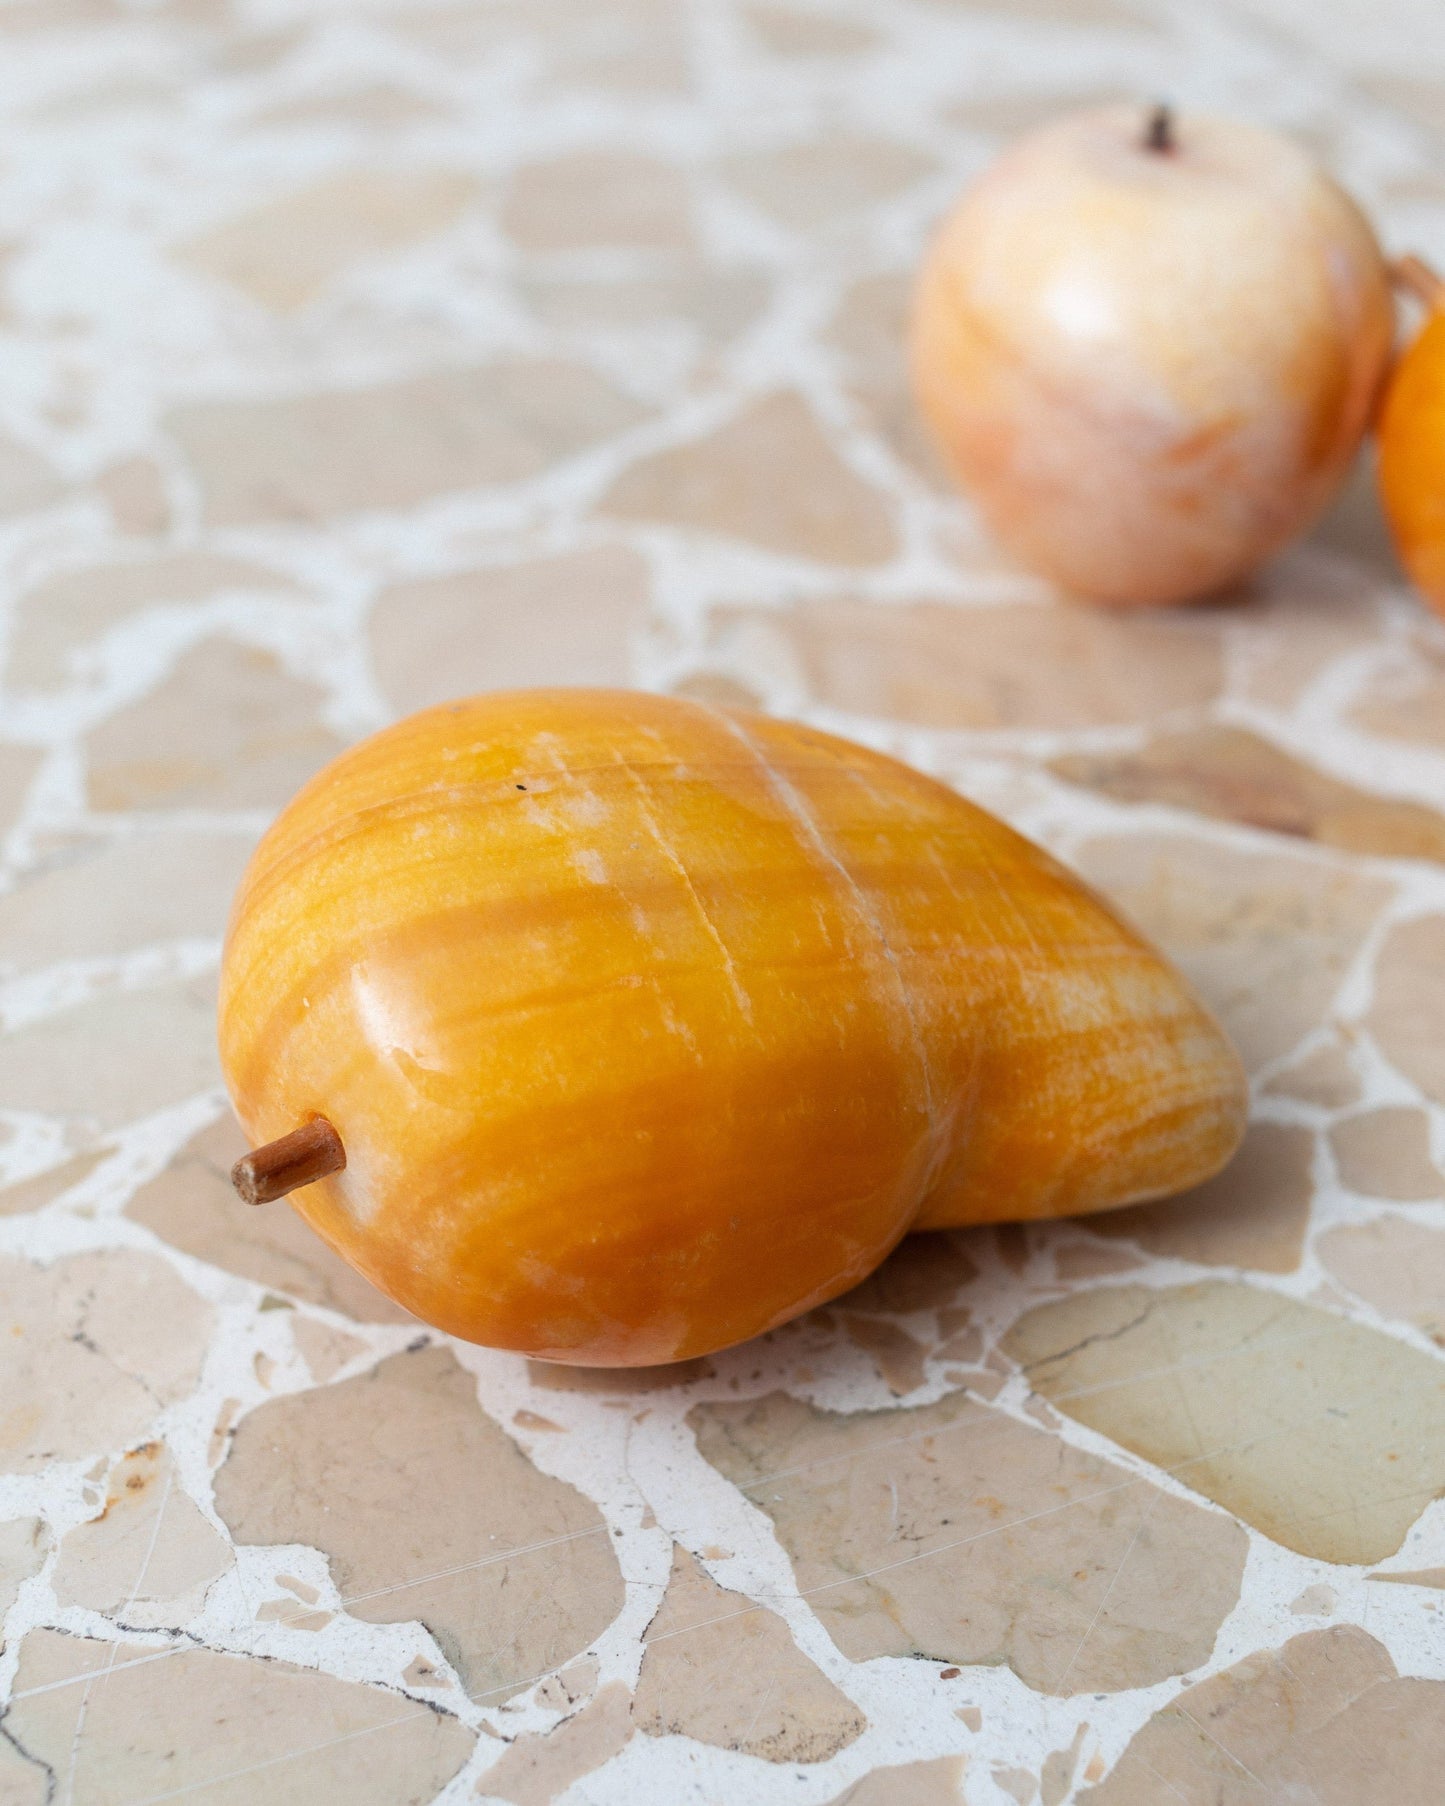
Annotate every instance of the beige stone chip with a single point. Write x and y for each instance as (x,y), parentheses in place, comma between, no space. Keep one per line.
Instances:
(830,179)
(1399,1266)
(541,1766)
(228,729)
(26,481)
(151,1555)
(870,333)
(1087,1260)
(589,199)
(898,1356)
(427,1510)
(567,620)
(923,1273)
(1417,95)
(81,1063)
(718,302)
(22,1781)
(128,1722)
(91,1349)
(936,1783)
(996,113)
(1317,1601)
(717,691)
(1057,1774)
(1235,775)
(1407,701)
(958,1533)
(24,1545)
(18,766)
(1253,1214)
(26,16)
(38,1191)
(98,899)
(1416,1577)
(947,666)
(1267,938)
(1325,1435)
(718,1668)
(622,1382)
(342,451)
(1325,1718)
(789,33)
(191,1205)
(1385,1153)
(135,490)
(1018,1784)
(284,252)
(115,1058)
(633,46)
(1324,1077)
(627,46)
(379,106)
(570,1686)
(325,1350)
(770,476)
(1409,1002)
(68,610)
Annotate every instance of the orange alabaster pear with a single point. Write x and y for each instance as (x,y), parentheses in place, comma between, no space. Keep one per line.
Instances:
(647,1025)
(1412,446)
(1149,352)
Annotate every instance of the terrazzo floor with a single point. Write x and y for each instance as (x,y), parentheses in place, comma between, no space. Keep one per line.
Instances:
(355,355)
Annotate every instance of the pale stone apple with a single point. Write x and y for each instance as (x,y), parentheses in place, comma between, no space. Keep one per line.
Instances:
(1150,347)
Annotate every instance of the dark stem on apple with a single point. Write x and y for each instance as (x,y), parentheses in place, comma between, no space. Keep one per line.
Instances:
(1159,132)
(1416,277)
(300,1158)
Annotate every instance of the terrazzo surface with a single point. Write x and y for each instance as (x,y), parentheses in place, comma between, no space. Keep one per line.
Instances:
(354,355)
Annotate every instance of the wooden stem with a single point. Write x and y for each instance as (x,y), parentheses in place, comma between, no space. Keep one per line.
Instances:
(297,1159)
(1415,276)
(1159,132)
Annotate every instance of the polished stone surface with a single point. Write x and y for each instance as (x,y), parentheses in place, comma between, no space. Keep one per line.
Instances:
(359,355)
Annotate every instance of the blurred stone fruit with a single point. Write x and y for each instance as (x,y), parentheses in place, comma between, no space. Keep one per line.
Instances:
(643,1026)
(1149,349)
(1412,442)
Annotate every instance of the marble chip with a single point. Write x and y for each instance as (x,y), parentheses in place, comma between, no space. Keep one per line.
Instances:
(151,1554)
(959,1535)
(184,1719)
(718,1668)
(443,1519)
(1325,1435)
(93,1348)
(340,451)
(360,358)
(285,252)
(1325,1717)
(769,476)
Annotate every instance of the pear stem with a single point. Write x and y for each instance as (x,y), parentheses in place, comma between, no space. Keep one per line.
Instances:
(300,1158)
(1159,132)
(1415,277)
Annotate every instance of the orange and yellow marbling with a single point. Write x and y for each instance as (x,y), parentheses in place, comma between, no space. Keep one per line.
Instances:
(1412,459)
(647,1025)
(1151,369)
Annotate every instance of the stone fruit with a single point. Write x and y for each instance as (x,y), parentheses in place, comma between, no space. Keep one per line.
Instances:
(1412,442)
(645,1026)
(1150,350)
